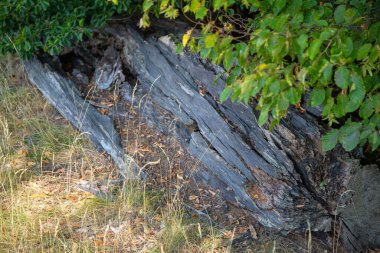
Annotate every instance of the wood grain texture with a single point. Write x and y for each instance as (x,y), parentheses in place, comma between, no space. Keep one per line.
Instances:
(66,98)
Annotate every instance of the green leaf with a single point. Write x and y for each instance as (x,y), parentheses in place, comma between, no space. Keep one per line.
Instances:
(363,51)
(179,48)
(218,4)
(293,95)
(228,59)
(276,45)
(327,33)
(195,5)
(279,23)
(263,118)
(236,94)
(278,6)
(342,77)
(294,6)
(327,107)
(366,109)
(225,93)
(364,134)
(329,140)
(375,120)
(357,92)
(347,46)
(317,96)
(349,15)
(374,54)
(308,4)
(297,18)
(376,101)
(352,106)
(171,12)
(226,41)
(27,46)
(147,4)
(373,31)
(327,74)
(275,87)
(339,14)
(201,13)
(374,140)
(349,135)
(302,41)
(340,109)
(282,103)
(205,52)
(314,48)
(211,40)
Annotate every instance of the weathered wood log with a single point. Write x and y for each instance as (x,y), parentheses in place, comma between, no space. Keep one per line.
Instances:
(281,177)
(245,163)
(64,95)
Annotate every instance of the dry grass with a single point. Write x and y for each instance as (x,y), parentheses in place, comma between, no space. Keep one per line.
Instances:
(42,158)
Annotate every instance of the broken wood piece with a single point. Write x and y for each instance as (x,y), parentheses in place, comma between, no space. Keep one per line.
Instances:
(65,97)
(109,70)
(88,187)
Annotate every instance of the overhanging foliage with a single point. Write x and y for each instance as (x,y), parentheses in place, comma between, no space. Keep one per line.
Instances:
(275,51)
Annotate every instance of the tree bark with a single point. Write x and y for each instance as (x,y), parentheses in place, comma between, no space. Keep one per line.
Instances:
(281,177)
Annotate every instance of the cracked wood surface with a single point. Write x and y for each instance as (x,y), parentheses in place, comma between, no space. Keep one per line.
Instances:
(66,98)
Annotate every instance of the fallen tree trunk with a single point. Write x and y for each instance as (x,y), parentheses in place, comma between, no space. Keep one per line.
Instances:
(281,177)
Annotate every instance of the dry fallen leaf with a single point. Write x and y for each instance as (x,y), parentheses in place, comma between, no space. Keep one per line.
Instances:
(18,163)
(212,192)
(98,242)
(22,152)
(30,164)
(253,232)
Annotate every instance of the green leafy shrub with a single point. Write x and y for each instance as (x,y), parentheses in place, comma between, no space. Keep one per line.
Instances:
(30,26)
(278,50)
(274,51)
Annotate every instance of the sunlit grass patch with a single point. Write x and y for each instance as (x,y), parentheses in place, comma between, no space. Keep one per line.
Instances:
(10,178)
(28,120)
(42,215)
(47,138)
(13,164)
(175,234)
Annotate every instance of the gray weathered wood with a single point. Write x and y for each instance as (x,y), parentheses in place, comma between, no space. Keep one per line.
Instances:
(258,167)
(64,95)
(109,70)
